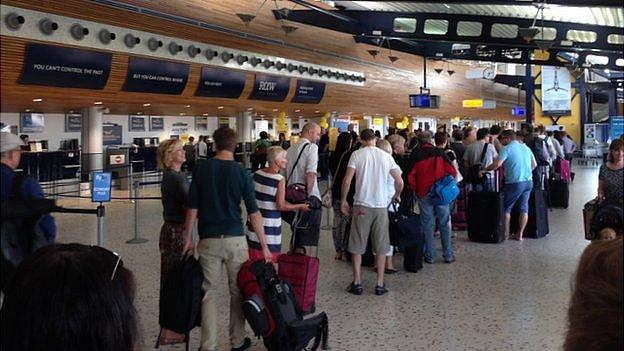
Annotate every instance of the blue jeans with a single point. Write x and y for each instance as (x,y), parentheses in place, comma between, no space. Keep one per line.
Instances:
(428,214)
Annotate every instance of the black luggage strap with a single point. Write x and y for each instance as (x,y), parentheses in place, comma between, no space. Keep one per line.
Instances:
(296,162)
(322,335)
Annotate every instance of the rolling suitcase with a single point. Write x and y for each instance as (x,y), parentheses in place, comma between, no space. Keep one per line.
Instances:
(458,217)
(558,193)
(301,271)
(537,225)
(486,217)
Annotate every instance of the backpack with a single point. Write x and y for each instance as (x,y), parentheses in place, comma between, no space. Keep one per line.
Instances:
(261,149)
(540,150)
(272,312)
(21,234)
(181,296)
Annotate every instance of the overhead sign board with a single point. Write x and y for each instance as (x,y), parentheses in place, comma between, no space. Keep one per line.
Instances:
(472,103)
(309,92)
(556,91)
(270,88)
(112,135)
(65,67)
(156,76)
(220,82)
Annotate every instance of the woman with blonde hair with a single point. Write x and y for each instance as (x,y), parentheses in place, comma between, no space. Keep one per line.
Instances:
(270,188)
(174,189)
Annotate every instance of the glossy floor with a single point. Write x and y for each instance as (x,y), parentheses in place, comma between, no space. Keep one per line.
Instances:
(511,296)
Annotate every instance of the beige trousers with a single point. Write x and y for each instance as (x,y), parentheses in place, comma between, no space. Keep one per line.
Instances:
(215,256)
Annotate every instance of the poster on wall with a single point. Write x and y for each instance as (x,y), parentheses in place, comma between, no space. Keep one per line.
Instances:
(73,122)
(201,124)
(65,67)
(136,123)
(180,128)
(270,88)
(31,123)
(224,122)
(220,82)
(556,91)
(309,92)
(112,134)
(156,76)
(157,124)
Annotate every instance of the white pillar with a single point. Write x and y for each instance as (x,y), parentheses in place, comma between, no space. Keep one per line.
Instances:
(91,138)
(386,125)
(244,126)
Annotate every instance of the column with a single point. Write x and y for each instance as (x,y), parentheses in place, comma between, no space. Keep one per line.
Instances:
(91,139)
(244,126)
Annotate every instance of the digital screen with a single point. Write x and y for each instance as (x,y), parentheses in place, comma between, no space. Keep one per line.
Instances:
(517,111)
(420,100)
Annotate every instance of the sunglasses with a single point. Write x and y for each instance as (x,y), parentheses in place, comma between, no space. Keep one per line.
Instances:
(113,255)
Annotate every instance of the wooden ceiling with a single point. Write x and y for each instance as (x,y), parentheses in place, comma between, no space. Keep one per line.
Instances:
(386,90)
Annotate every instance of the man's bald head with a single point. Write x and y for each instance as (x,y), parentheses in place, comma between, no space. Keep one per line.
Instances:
(311,131)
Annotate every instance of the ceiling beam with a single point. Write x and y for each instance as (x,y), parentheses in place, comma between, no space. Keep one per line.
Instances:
(579,3)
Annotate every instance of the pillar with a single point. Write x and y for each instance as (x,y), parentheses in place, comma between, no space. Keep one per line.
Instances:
(91,139)
(244,126)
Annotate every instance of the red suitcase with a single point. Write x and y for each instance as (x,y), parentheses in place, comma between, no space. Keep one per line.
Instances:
(301,271)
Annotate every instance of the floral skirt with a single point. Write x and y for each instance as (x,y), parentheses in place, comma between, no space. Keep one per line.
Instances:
(170,244)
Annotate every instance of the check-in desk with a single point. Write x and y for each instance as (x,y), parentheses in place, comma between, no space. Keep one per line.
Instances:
(48,166)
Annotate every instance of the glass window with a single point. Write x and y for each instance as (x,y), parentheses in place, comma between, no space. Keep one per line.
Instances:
(404,25)
(436,27)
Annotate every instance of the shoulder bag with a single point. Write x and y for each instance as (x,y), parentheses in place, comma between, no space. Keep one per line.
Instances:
(296,193)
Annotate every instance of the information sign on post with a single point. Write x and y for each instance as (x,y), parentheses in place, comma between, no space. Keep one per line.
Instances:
(101,187)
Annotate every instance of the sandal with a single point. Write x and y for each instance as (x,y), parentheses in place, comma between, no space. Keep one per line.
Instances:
(169,337)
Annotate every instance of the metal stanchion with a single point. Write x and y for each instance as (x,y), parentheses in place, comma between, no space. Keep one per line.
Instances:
(101,226)
(131,182)
(328,225)
(137,239)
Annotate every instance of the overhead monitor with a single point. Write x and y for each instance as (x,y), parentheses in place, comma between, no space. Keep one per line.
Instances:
(518,111)
(420,101)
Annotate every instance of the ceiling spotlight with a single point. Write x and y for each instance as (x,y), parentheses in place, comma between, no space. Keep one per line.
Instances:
(284,12)
(289,29)
(153,44)
(302,69)
(241,59)
(14,21)
(97,103)
(527,34)
(174,48)
(297,110)
(181,113)
(147,105)
(322,72)
(450,72)
(205,114)
(78,32)
(220,107)
(210,54)
(373,53)
(249,108)
(275,110)
(313,70)
(28,110)
(130,40)
(187,106)
(37,100)
(268,63)
(245,17)
(438,70)
(193,50)
(47,26)
(255,61)
(279,65)
(290,67)
(393,59)
(226,56)
(105,36)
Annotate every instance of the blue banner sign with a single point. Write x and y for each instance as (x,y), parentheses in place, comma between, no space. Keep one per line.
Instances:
(309,92)
(65,67)
(112,135)
(155,76)
(31,123)
(101,187)
(73,122)
(270,88)
(219,82)
(157,124)
(136,124)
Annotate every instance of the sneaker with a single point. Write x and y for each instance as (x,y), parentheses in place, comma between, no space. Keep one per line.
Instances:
(449,260)
(355,289)
(428,261)
(380,290)
(246,344)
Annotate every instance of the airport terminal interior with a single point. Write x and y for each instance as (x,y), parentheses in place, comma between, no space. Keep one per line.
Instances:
(91,88)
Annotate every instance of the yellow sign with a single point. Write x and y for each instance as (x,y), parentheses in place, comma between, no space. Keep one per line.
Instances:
(378,121)
(474,103)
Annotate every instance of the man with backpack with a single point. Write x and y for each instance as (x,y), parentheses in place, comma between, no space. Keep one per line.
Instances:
(20,236)
(541,153)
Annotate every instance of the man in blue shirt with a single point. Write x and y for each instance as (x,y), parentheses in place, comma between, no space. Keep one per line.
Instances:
(518,162)
(10,155)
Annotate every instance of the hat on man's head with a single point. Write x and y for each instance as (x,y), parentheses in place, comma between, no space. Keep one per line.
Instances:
(9,141)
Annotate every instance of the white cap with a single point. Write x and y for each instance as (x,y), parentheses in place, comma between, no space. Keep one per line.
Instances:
(9,142)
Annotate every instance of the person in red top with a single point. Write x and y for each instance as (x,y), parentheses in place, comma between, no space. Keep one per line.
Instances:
(430,165)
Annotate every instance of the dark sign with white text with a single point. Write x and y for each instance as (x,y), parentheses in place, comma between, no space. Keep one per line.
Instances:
(73,122)
(309,92)
(219,82)
(155,76)
(112,134)
(136,124)
(157,124)
(270,88)
(65,67)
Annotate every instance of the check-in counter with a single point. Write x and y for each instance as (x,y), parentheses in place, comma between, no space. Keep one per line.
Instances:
(48,166)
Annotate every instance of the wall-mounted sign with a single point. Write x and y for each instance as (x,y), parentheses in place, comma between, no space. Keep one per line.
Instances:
(157,124)
(155,76)
(201,124)
(219,82)
(31,123)
(180,128)
(116,160)
(517,111)
(270,88)
(556,91)
(309,92)
(136,123)
(73,122)
(101,187)
(112,135)
(65,67)
(224,122)
(473,103)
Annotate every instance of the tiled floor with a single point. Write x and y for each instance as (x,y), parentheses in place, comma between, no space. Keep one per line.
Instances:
(511,296)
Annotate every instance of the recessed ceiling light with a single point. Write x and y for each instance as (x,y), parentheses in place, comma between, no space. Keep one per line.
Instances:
(297,110)
(27,110)
(205,114)
(181,113)
(220,107)
(139,113)
(249,108)
(147,105)
(97,103)
(37,100)
(187,106)
(317,111)
(333,111)
(274,110)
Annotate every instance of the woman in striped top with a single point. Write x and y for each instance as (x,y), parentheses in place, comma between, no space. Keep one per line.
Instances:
(270,188)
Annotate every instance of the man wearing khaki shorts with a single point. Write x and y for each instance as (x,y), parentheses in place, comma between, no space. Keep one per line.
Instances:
(370,166)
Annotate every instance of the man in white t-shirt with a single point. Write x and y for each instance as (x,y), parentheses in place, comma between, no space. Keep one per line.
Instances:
(304,172)
(371,167)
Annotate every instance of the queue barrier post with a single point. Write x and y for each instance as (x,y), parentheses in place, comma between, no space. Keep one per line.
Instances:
(137,239)
(100,225)
(328,225)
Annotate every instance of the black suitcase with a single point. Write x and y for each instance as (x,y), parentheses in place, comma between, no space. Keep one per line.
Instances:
(413,257)
(537,225)
(485,217)
(559,193)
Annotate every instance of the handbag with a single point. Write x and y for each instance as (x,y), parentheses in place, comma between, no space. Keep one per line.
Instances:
(296,193)
(444,191)
(472,175)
